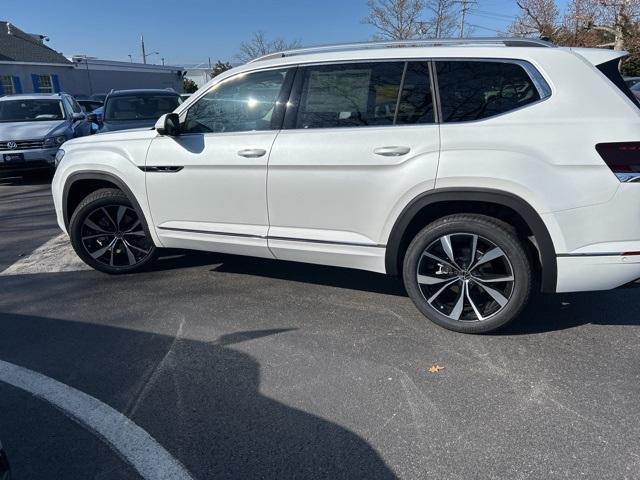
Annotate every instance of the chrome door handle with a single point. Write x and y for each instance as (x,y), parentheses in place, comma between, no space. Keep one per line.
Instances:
(393,151)
(252,152)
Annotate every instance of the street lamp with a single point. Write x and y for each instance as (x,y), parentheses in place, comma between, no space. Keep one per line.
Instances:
(149,54)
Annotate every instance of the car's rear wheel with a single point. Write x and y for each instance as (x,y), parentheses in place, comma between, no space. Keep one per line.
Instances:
(468,273)
(109,234)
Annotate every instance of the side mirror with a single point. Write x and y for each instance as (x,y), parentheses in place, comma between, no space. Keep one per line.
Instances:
(168,124)
(78,116)
(92,117)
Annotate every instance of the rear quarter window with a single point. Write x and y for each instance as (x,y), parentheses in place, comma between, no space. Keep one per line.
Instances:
(474,90)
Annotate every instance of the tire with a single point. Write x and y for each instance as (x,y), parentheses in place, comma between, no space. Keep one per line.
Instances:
(109,234)
(476,292)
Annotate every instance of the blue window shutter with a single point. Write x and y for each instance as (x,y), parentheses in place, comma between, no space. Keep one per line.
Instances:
(17,85)
(55,81)
(34,82)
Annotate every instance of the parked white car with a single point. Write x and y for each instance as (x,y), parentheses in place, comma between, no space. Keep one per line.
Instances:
(476,169)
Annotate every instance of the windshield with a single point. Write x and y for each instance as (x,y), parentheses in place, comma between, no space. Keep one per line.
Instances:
(30,110)
(139,107)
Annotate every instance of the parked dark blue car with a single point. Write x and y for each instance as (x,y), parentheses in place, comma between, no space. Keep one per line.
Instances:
(126,109)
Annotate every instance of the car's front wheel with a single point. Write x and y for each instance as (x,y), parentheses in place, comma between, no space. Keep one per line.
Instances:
(109,234)
(468,273)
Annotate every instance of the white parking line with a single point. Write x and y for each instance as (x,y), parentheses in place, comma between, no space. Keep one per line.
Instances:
(55,256)
(130,441)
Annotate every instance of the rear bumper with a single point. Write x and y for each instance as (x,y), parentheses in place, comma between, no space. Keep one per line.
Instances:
(583,272)
(37,159)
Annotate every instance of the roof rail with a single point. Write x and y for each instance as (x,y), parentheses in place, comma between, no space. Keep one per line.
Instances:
(434,42)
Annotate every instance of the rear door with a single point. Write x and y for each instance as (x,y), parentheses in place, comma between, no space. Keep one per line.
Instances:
(358,139)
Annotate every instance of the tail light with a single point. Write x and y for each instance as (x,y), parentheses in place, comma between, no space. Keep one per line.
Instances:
(623,158)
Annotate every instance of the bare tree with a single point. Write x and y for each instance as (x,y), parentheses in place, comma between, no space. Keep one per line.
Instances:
(618,20)
(578,18)
(443,19)
(396,19)
(260,45)
(539,17)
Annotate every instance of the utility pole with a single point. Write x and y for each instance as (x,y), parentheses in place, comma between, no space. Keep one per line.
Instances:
(162,61)
(465,7)
(144,54)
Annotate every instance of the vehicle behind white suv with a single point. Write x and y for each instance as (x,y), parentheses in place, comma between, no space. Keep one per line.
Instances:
(475,169)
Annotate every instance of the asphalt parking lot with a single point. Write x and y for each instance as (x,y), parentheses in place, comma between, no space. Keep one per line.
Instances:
(243,368)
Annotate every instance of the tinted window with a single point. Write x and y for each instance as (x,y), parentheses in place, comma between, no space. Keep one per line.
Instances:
(472,90)
(240,104)
(89,105)
(67,105)
(75,105)
(416,101)
(349,95)
(30,110)
(139,107)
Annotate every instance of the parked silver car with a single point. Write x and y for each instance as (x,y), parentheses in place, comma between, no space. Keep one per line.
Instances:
(33,126)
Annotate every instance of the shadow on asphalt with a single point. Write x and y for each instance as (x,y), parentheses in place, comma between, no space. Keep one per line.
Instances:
(544,313)
(203,405)
(33,179)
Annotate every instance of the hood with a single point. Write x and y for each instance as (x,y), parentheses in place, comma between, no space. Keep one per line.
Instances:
(31,130)
(127,125)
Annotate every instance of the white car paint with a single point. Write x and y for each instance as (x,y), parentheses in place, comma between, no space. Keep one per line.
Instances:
(324,196)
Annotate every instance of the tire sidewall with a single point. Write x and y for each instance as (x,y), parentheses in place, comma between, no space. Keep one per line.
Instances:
(75,233)
(492,231)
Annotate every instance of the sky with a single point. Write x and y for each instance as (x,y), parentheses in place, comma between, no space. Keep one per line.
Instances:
(191,31)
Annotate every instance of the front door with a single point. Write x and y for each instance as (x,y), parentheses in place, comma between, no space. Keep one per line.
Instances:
(207,187)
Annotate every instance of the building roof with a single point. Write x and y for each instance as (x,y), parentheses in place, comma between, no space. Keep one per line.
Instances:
(19,46)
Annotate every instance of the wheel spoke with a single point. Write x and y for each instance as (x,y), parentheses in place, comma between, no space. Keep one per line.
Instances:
(135,248)
(473,305)
(98,253)
(474,247)
(95,226)
(139,233)
(492,254)
(459,306)
(448,249)
(442,289)
(494,278)
(429,280)
(135,224)
(121,211)
(496,295)
(104,210)
(440,260)
(111,251)
(98,235)
(131,257)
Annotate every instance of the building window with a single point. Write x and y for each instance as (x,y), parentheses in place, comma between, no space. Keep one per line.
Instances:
(6,81)
(45,85)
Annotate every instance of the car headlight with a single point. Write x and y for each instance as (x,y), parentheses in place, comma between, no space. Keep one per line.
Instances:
(59,156)
(54,141)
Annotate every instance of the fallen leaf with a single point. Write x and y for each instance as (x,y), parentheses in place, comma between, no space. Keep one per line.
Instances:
(435,368)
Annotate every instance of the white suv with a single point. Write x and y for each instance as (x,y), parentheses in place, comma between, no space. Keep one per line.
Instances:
(475,169)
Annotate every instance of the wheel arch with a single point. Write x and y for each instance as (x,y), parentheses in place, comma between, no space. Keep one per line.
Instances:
(78,185)
(429,206)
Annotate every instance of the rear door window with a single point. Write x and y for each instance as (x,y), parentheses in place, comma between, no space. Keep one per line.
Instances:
(349,95)
(416,101)
(474,90)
